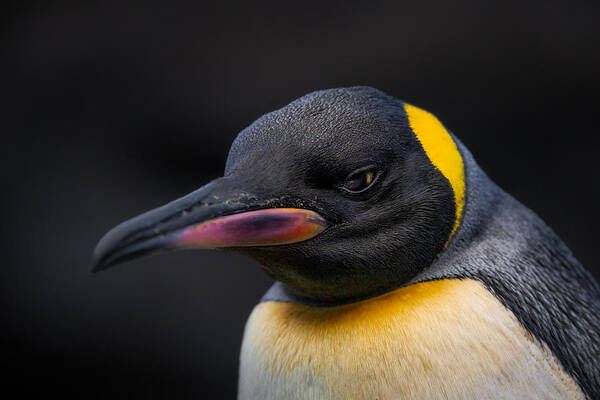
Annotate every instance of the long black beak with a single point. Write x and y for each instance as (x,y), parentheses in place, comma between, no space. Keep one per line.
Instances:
(214,216)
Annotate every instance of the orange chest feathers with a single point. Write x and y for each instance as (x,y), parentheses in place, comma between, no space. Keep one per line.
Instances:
(441,339)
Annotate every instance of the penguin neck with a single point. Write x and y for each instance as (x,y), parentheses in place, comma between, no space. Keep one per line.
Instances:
(279,292)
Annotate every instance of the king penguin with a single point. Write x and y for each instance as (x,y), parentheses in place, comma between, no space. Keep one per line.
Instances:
(402,271)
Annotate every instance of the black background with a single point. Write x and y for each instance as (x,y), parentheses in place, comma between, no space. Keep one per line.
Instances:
(113,108)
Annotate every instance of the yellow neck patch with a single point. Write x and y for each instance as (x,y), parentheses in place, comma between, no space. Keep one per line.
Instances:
(446,339)
(442,152)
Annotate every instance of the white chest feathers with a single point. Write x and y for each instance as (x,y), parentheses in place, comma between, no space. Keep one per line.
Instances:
(446,339)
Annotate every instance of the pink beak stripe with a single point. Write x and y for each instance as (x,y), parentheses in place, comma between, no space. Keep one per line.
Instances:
(268,227)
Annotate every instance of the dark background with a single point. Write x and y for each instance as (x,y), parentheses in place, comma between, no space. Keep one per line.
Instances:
(113,108)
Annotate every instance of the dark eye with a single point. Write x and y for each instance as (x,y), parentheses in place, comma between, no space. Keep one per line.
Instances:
(359,181)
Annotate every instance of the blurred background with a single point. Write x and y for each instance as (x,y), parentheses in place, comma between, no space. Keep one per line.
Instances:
(113,108)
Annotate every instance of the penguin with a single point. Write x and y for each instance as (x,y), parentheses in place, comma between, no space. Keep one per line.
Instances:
(401,270)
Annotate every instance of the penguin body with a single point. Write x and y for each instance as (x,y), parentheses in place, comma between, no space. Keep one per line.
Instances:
(446,338)
(402,270)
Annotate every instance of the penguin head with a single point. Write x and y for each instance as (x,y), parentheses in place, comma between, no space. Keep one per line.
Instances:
(341,195)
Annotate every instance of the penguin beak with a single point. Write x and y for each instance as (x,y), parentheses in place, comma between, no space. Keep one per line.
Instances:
(209,218)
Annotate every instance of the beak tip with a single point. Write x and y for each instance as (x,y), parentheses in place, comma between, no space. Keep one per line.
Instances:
(97,264)
(93,269)
(101,258)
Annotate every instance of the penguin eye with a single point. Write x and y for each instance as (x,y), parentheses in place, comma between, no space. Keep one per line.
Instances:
(360,180)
